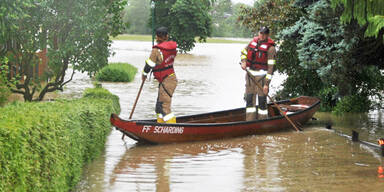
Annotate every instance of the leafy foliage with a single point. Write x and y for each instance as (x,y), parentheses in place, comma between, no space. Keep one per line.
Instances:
(319,34)
(4,90)
(136,15)
(5,82)
(276,14)
(223,13)
(185,19)
(324,57)
(190,19)
(73,32)
(369,12)
(352,104)
(224,20)
(101,93)
(334,52)
(117,72)
(44,146)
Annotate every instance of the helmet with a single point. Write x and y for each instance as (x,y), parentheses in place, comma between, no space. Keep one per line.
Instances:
(162,31)
(264,30)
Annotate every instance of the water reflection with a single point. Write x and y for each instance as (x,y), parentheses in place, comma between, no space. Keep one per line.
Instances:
(316,160)
(181,167)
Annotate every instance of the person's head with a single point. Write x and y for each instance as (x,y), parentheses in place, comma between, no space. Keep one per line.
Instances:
(161,34)
(264,33)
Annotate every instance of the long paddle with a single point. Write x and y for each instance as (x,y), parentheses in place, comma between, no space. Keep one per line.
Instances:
(134,105)
(274,103)
(137,98)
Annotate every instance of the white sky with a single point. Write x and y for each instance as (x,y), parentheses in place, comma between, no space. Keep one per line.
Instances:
(248,2)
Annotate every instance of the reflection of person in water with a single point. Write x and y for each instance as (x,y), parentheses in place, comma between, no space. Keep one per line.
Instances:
(139,156)
(254,166)
(159,157)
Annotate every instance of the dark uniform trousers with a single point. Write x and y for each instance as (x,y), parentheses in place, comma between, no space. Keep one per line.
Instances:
(251,92)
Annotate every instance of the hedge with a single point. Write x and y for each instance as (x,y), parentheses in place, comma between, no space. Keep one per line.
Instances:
(352,104)
(44,146)
(117,72)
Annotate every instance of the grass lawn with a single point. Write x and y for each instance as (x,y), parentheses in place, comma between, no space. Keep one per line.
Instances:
(149,38)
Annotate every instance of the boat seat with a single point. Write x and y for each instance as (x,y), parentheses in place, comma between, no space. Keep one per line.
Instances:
(292,108)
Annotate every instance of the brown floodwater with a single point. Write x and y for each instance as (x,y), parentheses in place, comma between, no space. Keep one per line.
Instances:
(210,79)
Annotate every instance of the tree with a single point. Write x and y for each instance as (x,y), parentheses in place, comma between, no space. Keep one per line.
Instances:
(347,64)
(4,82)
(224,18)
(10,11)
(366,12)
(136,15)
(322,56)
(220,12)
(74,32)
(238,29)
(276,14)
(190,19)
(185,19)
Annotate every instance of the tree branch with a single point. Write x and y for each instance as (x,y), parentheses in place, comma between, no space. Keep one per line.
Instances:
(17,91)
(73,73)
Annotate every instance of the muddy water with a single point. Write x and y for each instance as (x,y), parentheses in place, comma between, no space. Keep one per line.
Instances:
(210,79)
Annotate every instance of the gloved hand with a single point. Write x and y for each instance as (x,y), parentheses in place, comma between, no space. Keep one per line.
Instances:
(266,89)
(243,65)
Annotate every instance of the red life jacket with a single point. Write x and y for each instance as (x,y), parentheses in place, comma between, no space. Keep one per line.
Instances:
(257,56)
(168,49)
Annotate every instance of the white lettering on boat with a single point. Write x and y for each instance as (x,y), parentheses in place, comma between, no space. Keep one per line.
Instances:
(168,130)
(146,128)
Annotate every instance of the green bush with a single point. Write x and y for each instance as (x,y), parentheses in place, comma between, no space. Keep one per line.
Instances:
(5,92)
(44,146)
(328,96)
(102,94)
(117,72)
(352,103)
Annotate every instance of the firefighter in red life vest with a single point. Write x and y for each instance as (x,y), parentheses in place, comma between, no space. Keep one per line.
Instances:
(259,58)
(160,62)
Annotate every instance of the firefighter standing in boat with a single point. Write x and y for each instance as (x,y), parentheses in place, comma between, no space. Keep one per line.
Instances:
(160,62)
(258,58)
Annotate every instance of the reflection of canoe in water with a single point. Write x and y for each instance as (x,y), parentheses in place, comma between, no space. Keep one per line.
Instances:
(218,125)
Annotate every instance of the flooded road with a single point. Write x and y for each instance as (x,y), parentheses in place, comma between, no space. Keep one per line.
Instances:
(210,79)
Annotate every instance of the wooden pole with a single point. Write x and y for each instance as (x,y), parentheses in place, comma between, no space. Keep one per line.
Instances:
(137,98)
(134,105)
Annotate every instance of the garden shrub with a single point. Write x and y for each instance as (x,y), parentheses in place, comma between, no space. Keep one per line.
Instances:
(44,146)
(352,103)
(5,92)
(117,72)
(102,93)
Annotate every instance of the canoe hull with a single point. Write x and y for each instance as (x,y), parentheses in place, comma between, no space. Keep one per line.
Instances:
(152,132)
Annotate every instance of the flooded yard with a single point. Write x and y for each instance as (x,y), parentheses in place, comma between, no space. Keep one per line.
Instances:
(210,79)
